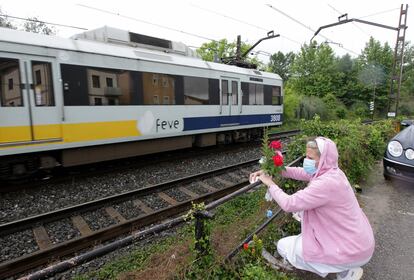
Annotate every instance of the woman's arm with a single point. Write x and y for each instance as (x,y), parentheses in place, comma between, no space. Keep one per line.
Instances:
(296,173)
(311,197)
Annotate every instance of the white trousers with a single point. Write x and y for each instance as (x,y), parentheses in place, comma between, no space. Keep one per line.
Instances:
(290,248)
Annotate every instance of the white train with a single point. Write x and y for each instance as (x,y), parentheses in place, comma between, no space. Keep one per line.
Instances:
(109,93)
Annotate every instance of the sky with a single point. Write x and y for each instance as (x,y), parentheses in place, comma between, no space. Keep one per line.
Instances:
(195,22)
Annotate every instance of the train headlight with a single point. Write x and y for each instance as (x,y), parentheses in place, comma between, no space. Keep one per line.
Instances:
(409,153)
(395,148)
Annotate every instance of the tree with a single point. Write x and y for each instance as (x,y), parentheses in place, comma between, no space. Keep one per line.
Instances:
(36,26)
(348,83)
(374,71)
(314,71)
(281,64)
(5,22)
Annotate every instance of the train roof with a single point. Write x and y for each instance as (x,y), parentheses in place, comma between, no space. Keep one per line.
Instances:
(88,44)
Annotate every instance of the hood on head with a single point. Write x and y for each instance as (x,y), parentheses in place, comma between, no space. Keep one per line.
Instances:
(329,155)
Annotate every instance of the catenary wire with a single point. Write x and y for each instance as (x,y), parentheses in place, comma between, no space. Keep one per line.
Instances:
(244,22)
(379,13)
(146,22)
(42,21)
(306,26)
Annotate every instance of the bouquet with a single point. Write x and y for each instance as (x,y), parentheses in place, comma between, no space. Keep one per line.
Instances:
(272,159)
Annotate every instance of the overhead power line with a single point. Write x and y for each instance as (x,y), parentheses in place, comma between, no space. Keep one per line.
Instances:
(41,21)
(230,17)
(306,26)
(146,22)
(244,22)
(379,13)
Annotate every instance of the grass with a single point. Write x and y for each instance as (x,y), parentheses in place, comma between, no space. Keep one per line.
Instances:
(173,257)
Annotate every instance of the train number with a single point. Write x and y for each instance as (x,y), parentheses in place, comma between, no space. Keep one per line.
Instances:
(274,118)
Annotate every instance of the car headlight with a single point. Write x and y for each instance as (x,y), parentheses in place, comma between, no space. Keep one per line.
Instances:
(409,153)
(395,148)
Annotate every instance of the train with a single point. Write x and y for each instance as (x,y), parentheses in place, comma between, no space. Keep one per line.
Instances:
(109,93)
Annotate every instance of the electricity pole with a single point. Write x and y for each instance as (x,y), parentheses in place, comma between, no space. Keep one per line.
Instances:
(397,66)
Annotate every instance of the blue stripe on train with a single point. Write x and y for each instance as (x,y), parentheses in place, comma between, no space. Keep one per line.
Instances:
(228,121)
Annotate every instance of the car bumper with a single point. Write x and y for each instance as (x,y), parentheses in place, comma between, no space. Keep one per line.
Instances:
(395,169)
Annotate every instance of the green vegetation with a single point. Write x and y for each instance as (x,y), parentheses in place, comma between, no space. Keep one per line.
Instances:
(359,145)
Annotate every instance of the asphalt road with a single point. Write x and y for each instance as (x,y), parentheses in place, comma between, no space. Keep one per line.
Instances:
(389,206)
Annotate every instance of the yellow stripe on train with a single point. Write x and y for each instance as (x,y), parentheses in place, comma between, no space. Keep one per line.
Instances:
(75,132)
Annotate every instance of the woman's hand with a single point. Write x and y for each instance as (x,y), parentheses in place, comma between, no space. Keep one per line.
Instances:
(267,180)
(255,176)
(260,175)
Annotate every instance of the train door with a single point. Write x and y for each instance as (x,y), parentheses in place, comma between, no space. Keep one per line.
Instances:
(45,105)
(230,96)
(29,111)
(15,124)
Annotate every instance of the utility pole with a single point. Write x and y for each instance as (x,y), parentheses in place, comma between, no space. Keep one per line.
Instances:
(397,66)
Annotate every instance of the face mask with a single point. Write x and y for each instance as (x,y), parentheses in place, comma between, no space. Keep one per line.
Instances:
(309,166)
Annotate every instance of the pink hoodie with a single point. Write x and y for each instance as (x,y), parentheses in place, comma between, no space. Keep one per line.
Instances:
(334,228)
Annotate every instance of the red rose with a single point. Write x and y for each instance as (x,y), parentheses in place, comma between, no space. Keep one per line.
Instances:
(245,246)
(278,160)
(276,145)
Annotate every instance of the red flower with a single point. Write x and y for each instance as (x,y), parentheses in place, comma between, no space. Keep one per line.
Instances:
(275,145)
(245,246)
(278,160)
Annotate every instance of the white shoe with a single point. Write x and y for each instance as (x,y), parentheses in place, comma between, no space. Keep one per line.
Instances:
(353,274)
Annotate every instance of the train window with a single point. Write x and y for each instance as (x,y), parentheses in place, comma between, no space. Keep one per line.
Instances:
(196,91)
(235,92)
(99,86)
(42,79)
(10,91)
(276,96)
(256,94)
(245,93)
(225,92)
(155,85)
(259,95)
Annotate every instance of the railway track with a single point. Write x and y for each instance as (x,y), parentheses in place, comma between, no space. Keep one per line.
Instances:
(77,173)
(175,197)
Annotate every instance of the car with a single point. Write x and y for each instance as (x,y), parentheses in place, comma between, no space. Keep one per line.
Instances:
(399,156)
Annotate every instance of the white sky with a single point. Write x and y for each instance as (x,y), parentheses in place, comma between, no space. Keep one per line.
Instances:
(226,19)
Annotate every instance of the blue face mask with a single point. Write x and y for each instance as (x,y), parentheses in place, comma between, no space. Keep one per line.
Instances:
(309,166)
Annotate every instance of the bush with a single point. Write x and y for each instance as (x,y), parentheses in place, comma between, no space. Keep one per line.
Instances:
(360,110)
(310,106)
(359,145)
